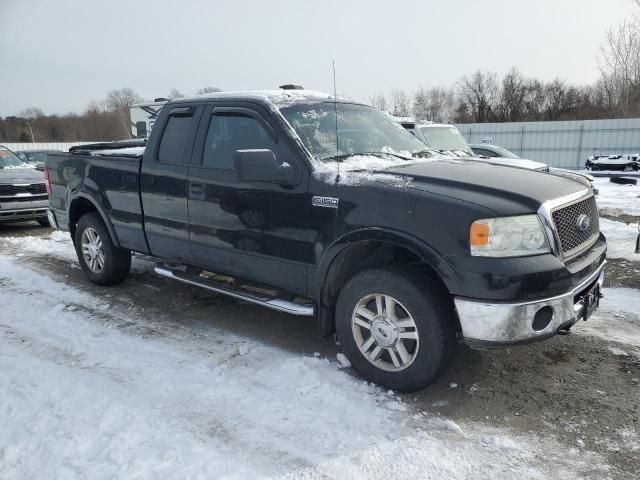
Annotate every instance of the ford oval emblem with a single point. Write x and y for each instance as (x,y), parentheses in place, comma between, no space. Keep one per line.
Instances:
(583,222)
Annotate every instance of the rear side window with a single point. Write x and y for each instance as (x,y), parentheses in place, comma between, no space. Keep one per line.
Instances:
(174,139)
(229,132)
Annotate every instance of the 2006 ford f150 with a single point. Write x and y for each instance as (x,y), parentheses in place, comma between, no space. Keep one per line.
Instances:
(320,206)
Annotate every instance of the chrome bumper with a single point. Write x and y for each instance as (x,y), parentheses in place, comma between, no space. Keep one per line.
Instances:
(501,324)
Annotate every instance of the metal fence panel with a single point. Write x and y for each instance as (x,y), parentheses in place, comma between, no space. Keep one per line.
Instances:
(565,144)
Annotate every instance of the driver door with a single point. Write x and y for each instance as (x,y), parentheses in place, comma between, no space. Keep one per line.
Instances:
(253,230)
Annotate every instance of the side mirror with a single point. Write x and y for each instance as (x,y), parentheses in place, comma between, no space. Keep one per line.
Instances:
(262,166)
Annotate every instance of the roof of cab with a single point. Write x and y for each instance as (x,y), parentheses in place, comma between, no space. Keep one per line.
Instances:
(276,98)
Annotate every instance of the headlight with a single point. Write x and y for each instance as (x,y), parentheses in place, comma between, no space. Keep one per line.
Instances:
(508,237)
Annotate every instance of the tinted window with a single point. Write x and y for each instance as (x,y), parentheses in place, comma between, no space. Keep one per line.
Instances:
(229,132)
(174,139)
(483,152)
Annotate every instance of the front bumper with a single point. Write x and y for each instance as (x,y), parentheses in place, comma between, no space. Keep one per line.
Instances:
(495,325)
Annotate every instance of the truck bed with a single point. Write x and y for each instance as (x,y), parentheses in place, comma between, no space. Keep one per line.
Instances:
(109,174)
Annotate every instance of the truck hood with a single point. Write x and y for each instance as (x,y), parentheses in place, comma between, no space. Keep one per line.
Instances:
(505,190)
(21,175)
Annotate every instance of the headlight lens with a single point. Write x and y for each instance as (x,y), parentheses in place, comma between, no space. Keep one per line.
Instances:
(508,237)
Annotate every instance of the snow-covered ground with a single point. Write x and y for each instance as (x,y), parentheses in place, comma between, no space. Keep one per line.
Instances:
(615,199)
(91,390)
(92,387)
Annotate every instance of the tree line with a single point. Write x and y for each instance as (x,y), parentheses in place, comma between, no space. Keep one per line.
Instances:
(106,120)
(479,97)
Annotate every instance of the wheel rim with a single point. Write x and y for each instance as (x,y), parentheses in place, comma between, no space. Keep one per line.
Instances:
(92,250)
(385,332)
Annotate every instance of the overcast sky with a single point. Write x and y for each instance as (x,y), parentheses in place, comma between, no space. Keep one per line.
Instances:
(59,55)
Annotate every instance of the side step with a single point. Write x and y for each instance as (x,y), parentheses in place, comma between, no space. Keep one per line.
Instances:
(274,303)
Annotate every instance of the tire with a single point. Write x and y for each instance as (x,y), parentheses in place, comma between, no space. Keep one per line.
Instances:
(427,306)
(102,262)
(44,221)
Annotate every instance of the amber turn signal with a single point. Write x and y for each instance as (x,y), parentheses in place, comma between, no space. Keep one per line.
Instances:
(479,234)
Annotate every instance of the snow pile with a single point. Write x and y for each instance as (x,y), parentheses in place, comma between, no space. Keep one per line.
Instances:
(57,244)
(621,239)
(119,395)
(615,199)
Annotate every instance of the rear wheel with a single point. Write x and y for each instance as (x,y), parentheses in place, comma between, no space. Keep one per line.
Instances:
(102,262)
(396,328)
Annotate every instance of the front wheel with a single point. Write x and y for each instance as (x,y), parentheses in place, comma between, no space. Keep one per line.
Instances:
(102,262)
(396,328)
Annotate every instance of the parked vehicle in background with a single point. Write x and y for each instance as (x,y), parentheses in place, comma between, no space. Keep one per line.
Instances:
(448,140)
(319,206)
(143,117)
(37,158)
(443,138)
(23,193)
(622,163)
(492,151)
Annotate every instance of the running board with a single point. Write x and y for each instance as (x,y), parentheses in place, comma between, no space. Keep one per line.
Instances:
(236,292)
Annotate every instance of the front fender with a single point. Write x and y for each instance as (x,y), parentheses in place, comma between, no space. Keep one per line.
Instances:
(429,255)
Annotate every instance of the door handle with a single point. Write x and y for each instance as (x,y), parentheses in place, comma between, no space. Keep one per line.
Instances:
(196,188)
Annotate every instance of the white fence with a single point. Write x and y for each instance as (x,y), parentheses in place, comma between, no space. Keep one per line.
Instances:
(16,147)
(564,144)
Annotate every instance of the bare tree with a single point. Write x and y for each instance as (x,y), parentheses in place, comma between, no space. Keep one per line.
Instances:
(31,113)
(400,103)
(619,64)
(378,101)
(176,94)
(480,93)
(120,101)
(512,97)
(435,104)
(208,90)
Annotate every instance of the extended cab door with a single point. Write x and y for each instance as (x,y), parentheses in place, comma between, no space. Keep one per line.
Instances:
(253,230)
(163,182)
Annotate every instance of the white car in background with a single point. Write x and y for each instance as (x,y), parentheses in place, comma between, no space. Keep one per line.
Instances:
(448,140)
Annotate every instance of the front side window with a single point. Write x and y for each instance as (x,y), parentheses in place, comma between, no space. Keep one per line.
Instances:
(361,130)
(174,139)
(229,132)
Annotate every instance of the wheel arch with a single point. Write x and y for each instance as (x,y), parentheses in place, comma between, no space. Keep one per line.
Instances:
(368,248)
(83,203)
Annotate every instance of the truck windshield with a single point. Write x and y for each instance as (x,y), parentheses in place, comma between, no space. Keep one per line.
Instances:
(445,139)
(8,159)
(361,130)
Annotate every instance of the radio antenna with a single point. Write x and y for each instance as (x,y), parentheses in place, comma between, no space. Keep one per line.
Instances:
(335,109)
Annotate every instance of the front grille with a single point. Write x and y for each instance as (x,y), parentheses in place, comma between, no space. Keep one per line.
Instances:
(573,239)
(33,198)
(32,188)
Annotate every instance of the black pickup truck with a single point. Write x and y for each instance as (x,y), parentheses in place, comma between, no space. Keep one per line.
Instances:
(320,206)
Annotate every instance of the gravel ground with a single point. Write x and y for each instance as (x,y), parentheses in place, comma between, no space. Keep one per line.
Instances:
(582,391)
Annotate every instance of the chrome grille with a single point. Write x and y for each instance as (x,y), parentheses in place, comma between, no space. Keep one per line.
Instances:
(9,190)
(573,239)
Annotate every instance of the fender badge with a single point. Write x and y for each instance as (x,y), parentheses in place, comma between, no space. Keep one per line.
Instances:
(327,202)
